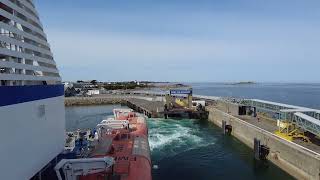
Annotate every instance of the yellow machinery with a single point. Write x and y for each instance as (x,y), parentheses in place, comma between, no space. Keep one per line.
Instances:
(180,101)
(289,131)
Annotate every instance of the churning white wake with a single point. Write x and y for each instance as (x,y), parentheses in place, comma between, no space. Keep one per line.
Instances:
(175,136)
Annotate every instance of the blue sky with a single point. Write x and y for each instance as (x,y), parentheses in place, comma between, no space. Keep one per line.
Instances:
(185,40)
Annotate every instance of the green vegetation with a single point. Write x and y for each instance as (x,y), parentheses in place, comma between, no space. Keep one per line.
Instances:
(124,85)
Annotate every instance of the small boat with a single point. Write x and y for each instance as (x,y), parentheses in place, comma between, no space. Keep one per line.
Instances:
(120,151)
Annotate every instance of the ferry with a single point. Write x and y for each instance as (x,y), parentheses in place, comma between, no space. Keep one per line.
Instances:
(119,150)
(32,113)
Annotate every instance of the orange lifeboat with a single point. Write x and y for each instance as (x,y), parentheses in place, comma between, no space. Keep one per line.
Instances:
(125,138)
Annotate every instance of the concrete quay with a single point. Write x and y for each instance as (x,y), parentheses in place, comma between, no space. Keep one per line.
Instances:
(150,106)
(152,109)
(298,161)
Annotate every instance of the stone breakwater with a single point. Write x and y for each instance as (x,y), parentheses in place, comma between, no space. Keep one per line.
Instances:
(148,101)
(84,101)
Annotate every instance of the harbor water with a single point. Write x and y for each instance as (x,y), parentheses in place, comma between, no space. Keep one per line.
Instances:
(87,117)
(187,149)
(196,150)
(300,94)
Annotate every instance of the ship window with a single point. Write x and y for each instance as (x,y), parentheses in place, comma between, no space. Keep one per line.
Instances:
(6,8)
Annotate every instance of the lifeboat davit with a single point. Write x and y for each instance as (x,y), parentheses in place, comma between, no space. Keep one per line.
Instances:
(125,138)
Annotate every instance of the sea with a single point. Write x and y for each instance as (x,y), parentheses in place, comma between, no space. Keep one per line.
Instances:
(300,94)
(197,150)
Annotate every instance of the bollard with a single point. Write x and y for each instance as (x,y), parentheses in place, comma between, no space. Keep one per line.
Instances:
(227,129)
(256,148)
(260,151)
(224,123)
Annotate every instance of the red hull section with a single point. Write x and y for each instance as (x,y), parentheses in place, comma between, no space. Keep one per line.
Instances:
(128,146)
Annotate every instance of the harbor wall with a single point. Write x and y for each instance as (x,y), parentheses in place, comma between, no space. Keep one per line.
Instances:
(108,99)
(296,160)
(83,101)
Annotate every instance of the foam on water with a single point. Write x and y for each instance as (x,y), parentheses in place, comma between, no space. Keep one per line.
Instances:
(171,137)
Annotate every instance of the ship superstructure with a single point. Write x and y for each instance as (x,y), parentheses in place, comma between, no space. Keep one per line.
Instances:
(32,113)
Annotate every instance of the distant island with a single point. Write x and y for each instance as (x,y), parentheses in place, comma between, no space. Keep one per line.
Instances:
(242,83)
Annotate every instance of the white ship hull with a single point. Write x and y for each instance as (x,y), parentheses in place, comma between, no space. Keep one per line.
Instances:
(32,117)
(33,133)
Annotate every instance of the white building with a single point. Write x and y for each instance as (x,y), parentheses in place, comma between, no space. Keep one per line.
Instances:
(93,92)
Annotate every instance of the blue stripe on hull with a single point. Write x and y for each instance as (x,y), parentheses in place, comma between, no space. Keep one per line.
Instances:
(19,94)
